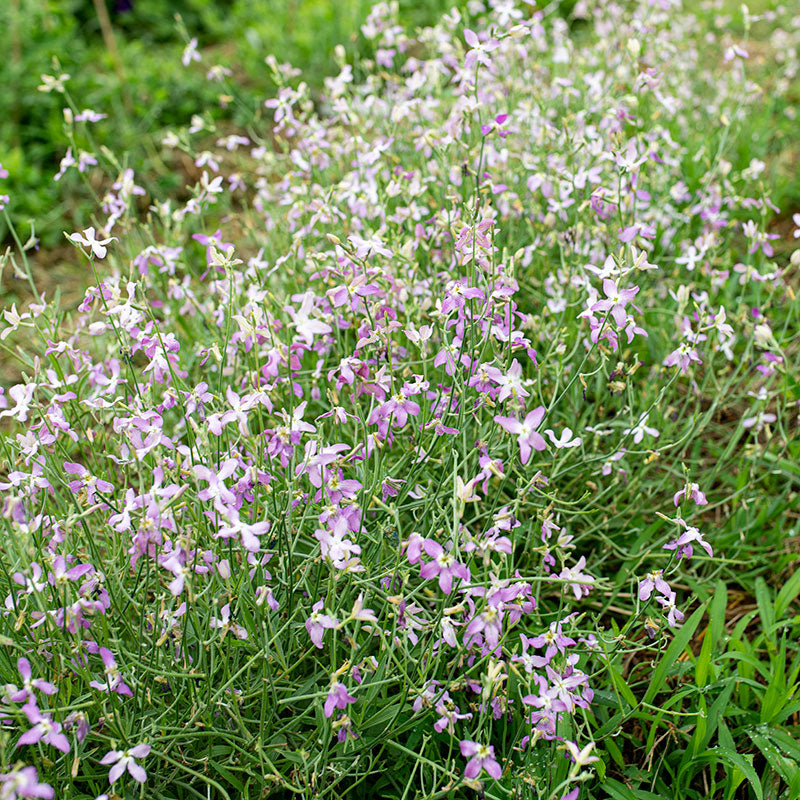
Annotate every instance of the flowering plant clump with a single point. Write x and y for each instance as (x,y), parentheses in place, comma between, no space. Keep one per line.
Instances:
(381,461)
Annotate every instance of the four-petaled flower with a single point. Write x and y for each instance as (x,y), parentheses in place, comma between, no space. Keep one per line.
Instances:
(481,757)
(317,623)
(24,783)
(126,759)
(444,565)
(565,440)
(89,240)
(525,431)
(338,697)
(190,53)
(44,729)
(478,52)
(29,683)
(615,302)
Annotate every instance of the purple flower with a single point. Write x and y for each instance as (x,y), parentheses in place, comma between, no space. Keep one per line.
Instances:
(44,730)
(693,491)
(615,301)
(338,697)
(448,356)
(480,756)
(653,580)
(79,721)
(565,685)
(60,574)
(674,615)
(398,408)
(113,681)
(307,326)
(444,565)
(317,623)
(216,489)
(525,431)
(478,53)
(125,759)
(344,728)
(682,357)
(449,714)
(225,624)
(511,383)
(413,547)
(757,421)
(238,411)
(190,53)
(553,640)
(86,481)
(29,683)
(489,624)
(24,783)
(334,546)
(579,581)
(683,544)
(581,757)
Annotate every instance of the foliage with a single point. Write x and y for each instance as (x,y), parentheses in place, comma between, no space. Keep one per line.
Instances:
(437,440)
(146,89)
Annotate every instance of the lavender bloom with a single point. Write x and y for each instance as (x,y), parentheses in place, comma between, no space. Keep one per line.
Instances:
(317,623)
(525,431)
(113,682)
(683,544)
(553,640)
(86,481)
(481,757)
(44,730)
(693,491)
(674,615)
(126,759)
(444,565)
(449,714)
(24,782)
(653,580)
(225,624)
(615,302)
(478,52)
(338,697)
(29,684)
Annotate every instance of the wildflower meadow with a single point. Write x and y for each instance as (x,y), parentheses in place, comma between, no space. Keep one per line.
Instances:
(433,434)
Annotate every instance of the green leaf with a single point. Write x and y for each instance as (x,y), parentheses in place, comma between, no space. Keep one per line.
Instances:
(670,657)
(765,608)
(737,761)
(785,766)
(787,594)
(618,791)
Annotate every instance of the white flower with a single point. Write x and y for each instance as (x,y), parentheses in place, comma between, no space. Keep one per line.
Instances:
(580,757)
(51,83)
(565,440)
(88,239)
(190,53)
(14,319)
(640,429)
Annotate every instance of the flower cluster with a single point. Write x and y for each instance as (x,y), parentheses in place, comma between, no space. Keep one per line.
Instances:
(346,443)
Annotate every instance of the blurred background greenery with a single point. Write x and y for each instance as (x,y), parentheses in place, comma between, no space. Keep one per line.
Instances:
(137,77)
(132,72)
